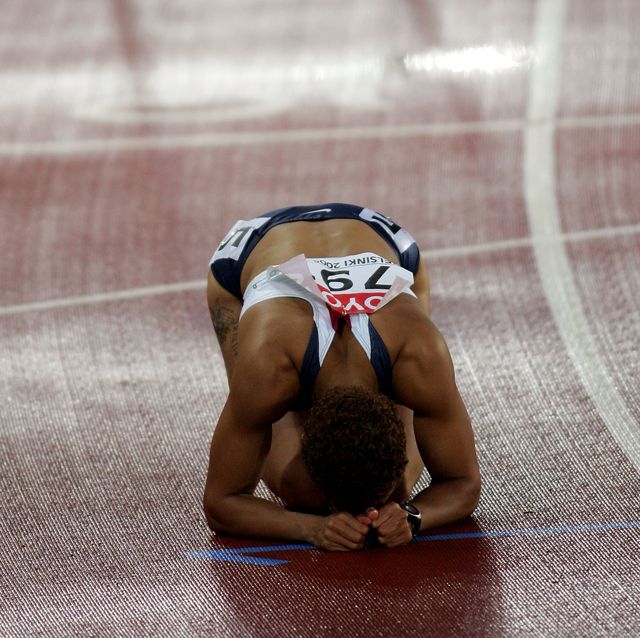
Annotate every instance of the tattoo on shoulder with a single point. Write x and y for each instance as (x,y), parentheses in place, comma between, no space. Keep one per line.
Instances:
(225,323)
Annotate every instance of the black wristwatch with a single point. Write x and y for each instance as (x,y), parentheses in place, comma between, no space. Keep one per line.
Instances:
(414,516)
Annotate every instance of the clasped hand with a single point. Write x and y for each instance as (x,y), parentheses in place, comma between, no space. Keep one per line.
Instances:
(345,532)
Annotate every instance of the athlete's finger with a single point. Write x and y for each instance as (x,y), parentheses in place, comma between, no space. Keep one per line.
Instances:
(353,523)
(348,527)
(345,543)
(386,513)
(370,515)
(396,532)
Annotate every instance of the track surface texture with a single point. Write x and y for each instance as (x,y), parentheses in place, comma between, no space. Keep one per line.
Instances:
(505,135)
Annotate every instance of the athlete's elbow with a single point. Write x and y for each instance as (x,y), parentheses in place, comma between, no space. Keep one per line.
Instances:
(213,524)
(211,509)
(472,491)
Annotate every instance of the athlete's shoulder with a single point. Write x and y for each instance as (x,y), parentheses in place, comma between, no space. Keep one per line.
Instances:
(265,372)
(275,329)
(419,345)
(423,372)
(423,342)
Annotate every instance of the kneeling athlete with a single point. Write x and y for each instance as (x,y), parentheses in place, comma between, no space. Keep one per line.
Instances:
(341,389)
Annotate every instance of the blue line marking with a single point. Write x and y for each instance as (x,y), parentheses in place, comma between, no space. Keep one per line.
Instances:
(533,531)
(239,554)
(242,555)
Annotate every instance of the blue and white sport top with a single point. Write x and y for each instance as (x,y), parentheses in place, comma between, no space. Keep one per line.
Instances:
(346,288)
(232,253)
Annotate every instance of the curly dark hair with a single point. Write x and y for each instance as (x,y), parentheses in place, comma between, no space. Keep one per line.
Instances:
(354,447)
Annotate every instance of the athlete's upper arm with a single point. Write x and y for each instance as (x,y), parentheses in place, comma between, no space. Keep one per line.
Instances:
(262,389)
(424,381)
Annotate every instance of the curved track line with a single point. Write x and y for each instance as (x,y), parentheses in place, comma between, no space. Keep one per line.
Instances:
(544,221)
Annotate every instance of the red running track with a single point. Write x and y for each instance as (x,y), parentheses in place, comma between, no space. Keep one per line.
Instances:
(506,137)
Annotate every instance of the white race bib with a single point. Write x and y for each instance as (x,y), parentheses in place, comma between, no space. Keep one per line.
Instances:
(350,285)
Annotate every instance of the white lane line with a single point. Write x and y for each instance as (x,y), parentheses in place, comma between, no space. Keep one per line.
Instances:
(525,242)
(544,220)
(429,255)
(118,295)
(212,140)
(207,140)
(598,121)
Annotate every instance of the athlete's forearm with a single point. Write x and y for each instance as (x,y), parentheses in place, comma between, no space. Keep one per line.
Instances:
(447,501)
(245,515)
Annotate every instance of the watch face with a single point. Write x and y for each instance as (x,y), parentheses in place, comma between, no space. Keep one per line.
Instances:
(412,509)
(414,516)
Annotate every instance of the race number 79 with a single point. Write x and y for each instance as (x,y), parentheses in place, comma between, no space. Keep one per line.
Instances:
(341,280)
